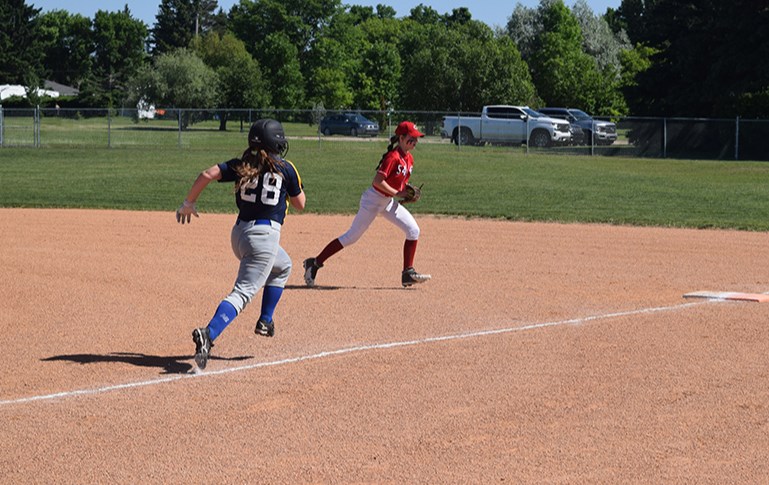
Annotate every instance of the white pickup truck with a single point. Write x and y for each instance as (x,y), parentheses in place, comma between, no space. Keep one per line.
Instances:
(502,124)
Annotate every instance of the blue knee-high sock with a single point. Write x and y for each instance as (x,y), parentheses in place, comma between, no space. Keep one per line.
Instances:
(270,298)
(225,313)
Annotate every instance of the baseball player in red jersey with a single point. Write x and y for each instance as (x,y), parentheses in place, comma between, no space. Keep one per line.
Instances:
(389,183)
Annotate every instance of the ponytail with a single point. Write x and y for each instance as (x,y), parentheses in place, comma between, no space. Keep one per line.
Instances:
(254,163)
(390,147)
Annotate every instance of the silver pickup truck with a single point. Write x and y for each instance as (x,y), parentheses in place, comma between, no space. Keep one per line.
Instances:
(503,124)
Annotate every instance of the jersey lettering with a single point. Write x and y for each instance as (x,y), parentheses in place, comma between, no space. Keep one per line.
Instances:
(248,191)
(270,193)
(271,184)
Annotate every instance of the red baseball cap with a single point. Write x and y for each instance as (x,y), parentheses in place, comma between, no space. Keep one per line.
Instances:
(408,128)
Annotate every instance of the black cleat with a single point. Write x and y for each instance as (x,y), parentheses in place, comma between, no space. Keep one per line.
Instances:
(410,277)
(311,267)
(265,328)
(203,346)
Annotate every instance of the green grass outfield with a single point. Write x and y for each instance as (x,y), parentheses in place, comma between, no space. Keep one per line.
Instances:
(490,182)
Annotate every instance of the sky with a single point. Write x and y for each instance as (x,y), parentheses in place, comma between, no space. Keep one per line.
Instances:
(492,12)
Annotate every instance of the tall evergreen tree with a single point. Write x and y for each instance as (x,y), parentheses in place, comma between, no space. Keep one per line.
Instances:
(179,21)
(20,44)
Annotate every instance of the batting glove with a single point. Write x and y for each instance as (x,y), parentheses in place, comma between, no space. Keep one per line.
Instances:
(185,211)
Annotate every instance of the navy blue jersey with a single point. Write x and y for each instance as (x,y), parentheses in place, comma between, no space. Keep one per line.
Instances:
(265,197)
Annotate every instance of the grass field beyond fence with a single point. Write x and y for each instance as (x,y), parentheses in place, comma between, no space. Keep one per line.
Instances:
(471,181)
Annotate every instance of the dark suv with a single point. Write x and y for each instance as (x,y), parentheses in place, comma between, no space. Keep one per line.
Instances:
(352,124)
(596,131)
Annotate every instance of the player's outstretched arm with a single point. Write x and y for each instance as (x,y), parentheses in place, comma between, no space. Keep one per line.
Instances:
(188,207)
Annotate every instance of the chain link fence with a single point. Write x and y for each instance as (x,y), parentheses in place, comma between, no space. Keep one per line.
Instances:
(684,138)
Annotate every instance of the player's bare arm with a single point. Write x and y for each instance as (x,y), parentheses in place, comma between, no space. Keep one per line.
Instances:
(380,184)
(298,201)
(188,207)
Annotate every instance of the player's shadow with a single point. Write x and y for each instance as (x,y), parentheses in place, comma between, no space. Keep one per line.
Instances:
(169,365)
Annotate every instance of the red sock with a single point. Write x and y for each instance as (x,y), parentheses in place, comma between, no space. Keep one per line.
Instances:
(409,249)
(331,249)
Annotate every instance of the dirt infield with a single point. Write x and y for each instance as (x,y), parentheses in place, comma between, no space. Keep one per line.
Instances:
(539,353)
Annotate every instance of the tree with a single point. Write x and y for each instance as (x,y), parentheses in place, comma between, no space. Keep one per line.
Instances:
(461,68)
(634,61)
(68,46)
(179,21)
(119,52)
(574,57)
(330,81)
(178,79)
(377,78)
(424,15)
(385,11)
(377,82)
(335,59)
(299,21)
(281,35)
(709,57)
(20,44)
(284,73)
(563,73)
(460,16)
(598,39)
(240,81)
(523,26)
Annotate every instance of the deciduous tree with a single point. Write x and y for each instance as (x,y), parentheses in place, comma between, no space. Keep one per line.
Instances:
(239,77)
(118,54)
(67,46)
(178,79)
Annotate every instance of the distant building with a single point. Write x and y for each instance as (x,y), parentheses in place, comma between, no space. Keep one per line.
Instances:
(62,89)
(51,89)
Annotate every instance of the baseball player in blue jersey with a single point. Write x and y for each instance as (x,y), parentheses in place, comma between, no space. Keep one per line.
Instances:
(264,182)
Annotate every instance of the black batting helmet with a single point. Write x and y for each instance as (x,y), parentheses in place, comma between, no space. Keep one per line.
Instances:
(267,134)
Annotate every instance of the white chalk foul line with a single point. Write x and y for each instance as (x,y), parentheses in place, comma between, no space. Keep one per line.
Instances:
(348,350)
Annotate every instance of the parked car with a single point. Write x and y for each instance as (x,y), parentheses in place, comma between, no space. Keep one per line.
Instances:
(577,135)
(503,124)
(352,124)
(596,131)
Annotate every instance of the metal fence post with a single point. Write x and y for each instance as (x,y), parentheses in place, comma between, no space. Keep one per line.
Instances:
(2,127)
(179,142)
(737,139)
(36,129)
(459,130)
(664,137)
(109,128)
(526,135)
